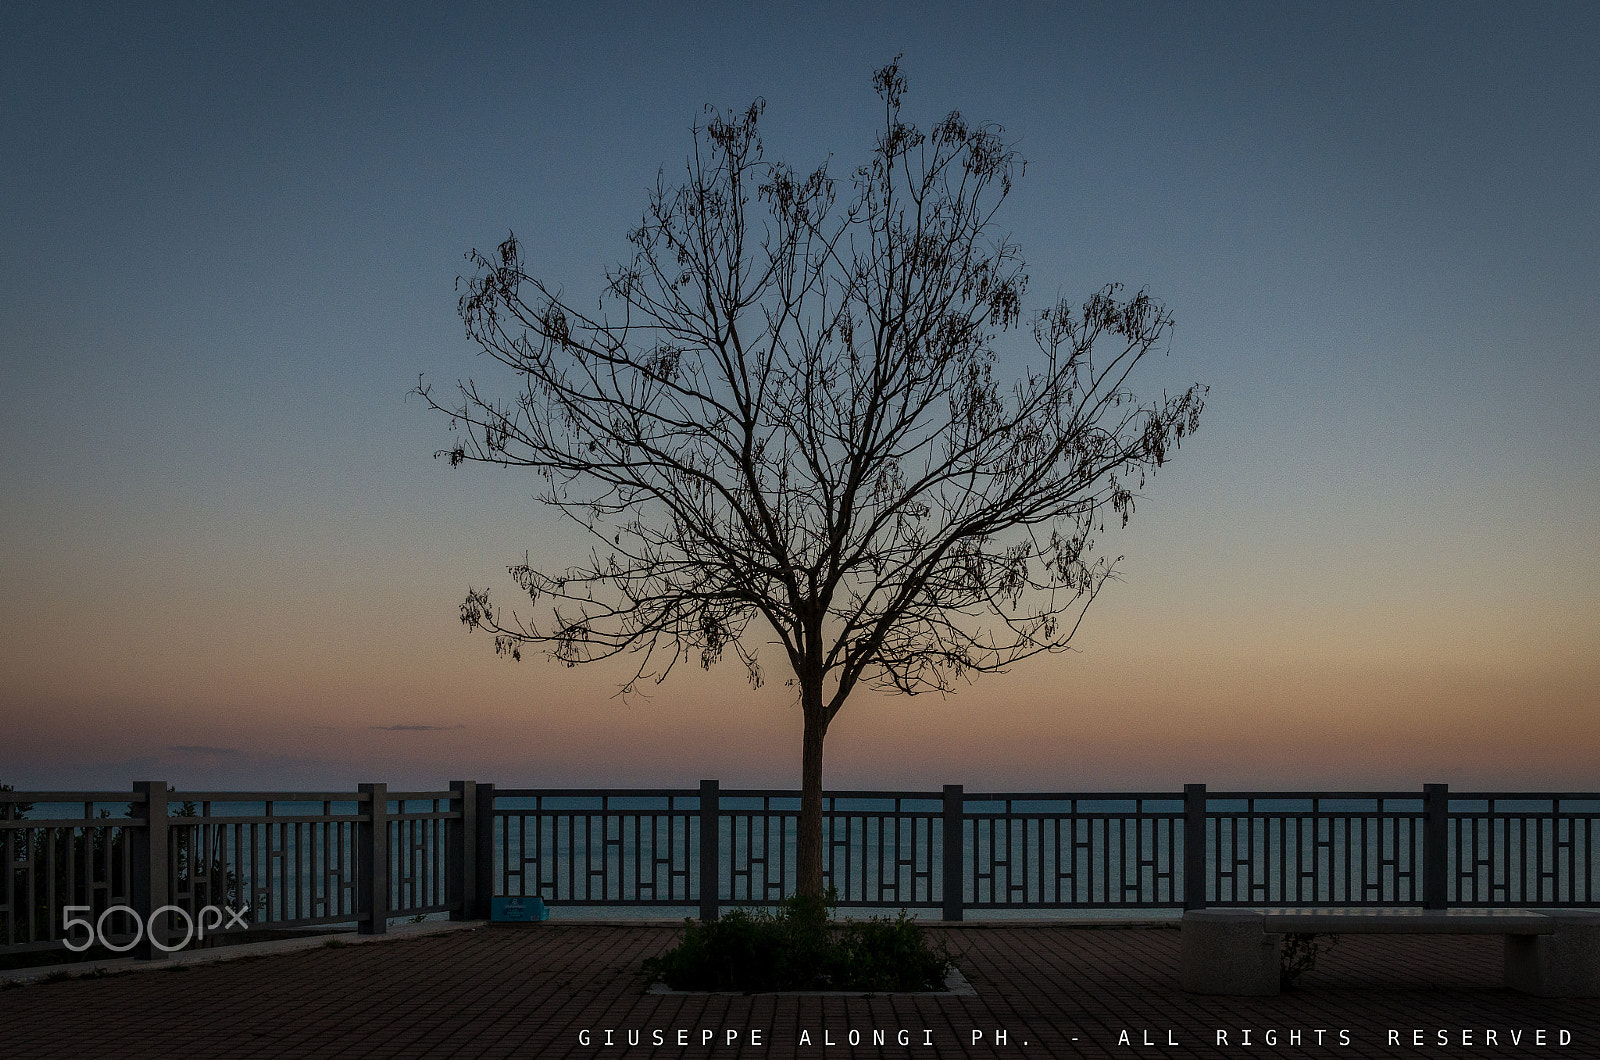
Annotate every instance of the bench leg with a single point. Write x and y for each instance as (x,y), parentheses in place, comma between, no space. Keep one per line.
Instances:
(1565,963)
(1229,952)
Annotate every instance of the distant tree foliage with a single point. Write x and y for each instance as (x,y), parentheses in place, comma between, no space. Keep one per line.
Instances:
(782,421)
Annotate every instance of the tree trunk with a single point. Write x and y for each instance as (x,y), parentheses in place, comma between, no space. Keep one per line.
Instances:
(808,854)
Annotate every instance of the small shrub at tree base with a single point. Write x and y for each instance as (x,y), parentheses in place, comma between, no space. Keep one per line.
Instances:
(1300,951)
(884,954)
(799,948)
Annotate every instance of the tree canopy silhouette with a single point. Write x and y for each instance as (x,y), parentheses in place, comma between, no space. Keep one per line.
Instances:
(783,421)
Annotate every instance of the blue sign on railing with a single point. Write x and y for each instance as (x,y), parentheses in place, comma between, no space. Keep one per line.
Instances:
(518,910)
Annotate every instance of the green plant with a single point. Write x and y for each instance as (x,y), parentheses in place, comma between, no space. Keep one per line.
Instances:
(884,954)
(1300,951)
(798,947)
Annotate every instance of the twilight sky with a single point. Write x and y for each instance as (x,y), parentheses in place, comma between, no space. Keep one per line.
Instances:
(228,245)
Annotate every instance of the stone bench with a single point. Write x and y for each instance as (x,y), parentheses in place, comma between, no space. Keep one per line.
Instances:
(1237,951)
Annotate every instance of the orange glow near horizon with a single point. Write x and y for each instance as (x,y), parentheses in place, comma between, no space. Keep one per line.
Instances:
(1114,716)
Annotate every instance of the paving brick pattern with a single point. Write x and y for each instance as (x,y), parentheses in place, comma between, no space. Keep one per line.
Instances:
(529,991)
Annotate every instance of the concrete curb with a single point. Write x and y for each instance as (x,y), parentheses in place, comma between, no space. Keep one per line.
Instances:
(243,950)
(236,952)
(944,925)
(955,985)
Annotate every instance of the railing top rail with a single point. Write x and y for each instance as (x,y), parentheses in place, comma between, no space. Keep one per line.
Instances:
(211,819)
(267,796)
(1277,796)
(1072,796)
(133,795)
(694,793)
(71,796)
(1524,796)
(435,796)
(794,793)
(19,824)
(592,793)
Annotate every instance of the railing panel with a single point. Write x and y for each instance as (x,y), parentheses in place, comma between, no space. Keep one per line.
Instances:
(292,859)
(1300,849)
(1068,851)
(879,849)
(418,825)
(60,849)
(1524,850)
(582,847)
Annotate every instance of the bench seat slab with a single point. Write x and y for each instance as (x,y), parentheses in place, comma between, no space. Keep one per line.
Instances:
(1553,953)
(1409,922)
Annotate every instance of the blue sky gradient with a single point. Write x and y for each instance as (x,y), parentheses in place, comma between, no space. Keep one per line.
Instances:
(231,237)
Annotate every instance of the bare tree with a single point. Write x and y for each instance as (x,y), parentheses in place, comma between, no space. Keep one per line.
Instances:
(783,414)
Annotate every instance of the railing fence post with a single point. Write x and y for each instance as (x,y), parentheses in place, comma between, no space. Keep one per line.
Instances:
(461,854)
(374,847)
(483,885)
(710,855)
(150,888)
(955,851)
(1435,846)
(1194,846)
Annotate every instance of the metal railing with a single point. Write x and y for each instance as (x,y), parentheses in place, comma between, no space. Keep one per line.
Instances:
(1090,851)
(596,847)
(301,859)
(139,867)
(1032,851)
(59,849)
(1314,848)
(295,861)
(1527,850)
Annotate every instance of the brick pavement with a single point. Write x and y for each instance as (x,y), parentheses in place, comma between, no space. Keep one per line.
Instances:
(1063,991)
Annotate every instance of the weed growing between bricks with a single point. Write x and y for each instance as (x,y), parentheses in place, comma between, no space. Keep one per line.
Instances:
(1300,952)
